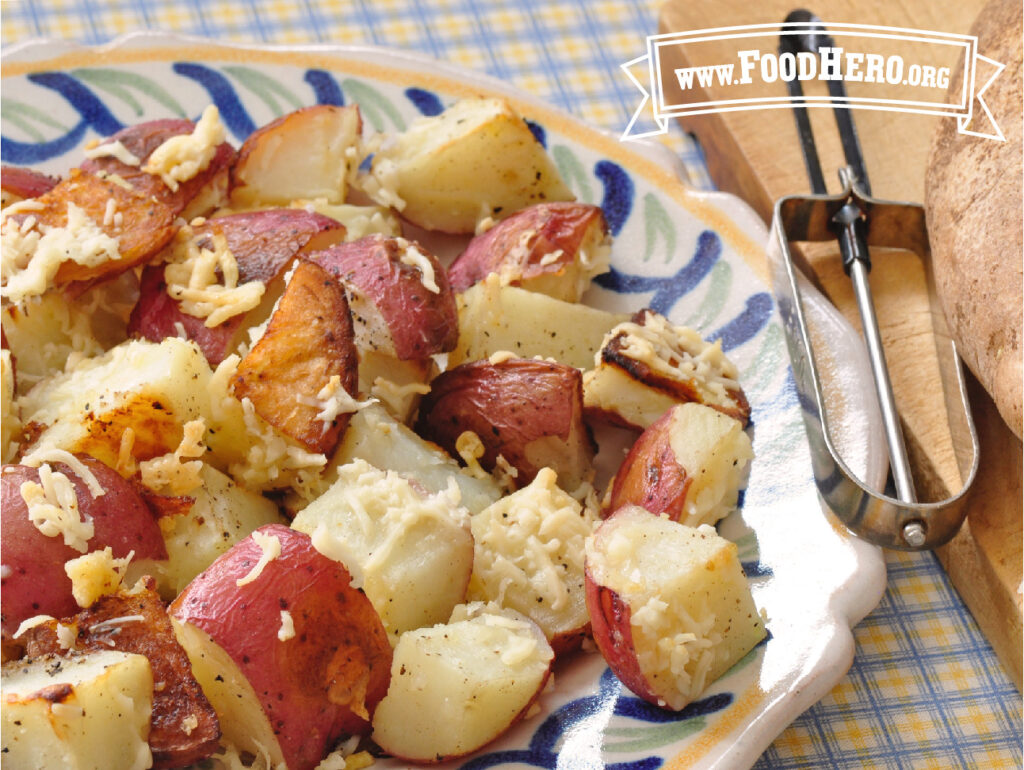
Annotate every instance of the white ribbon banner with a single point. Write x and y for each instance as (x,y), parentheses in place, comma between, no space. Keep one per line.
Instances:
(894,69)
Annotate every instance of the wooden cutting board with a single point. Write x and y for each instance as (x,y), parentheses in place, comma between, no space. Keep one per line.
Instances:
(756,156)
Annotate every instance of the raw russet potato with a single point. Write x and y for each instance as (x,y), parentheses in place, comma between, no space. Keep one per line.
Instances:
(477,159)
(973,209)
(89,712)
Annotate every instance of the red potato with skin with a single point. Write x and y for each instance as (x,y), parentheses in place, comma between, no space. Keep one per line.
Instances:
(301,155)
(689,464)
(527,410)
(143,229)
(307,344)
(19,183)
(295,690)
(670,608)
(35,582)
(552,248)
(402,303)
(264,243)
(202,193)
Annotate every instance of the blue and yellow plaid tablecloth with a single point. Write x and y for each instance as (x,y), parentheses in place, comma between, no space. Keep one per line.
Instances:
(925,689)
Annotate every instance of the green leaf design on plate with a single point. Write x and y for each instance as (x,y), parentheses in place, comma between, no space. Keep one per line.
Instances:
(657,221)
(25,115)
(264,87)
(719,283)
(746,547)
(647,738)
(770,356)
(373,104)
(120,84)
(573,173)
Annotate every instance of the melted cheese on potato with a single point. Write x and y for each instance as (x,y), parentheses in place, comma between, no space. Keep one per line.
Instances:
(181,157)
(529,555)
(53,509)
(205,281)
(32,252)
(95,574)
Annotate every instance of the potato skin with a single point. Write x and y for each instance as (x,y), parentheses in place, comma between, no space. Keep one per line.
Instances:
(511,405)
(516,246)
(972,204)
(309,340)
(180,697)
(147,225)
(23,182)
(610,625)
(37,583)
(650,476)
(263,243)
(420,321)
(140,140)
(311,685)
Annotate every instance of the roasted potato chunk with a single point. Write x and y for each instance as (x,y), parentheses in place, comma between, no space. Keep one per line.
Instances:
(527,411)
(301,374)
(647,365)
(184,727)
(475,160)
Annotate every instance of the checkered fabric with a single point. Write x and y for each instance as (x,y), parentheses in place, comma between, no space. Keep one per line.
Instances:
(925,690)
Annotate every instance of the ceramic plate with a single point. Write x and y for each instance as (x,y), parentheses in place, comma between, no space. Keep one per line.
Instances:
(697,257)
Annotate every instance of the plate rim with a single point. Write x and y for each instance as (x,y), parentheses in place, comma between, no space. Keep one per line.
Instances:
(848,603)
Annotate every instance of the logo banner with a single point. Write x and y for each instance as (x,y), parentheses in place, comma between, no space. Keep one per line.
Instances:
(881,68)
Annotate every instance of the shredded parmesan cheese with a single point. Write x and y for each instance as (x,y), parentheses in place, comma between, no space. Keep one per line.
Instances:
(470,448)
(287,629)
(332,400)
(67,635)
(96,574)
(270,455)
(46,454)
(189,723)
(31,252)
(169,473)
(53,509)
(30,623)
(415,258)
(205,281)
(678,353)
(114,150)
(270,547)
(180,158)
